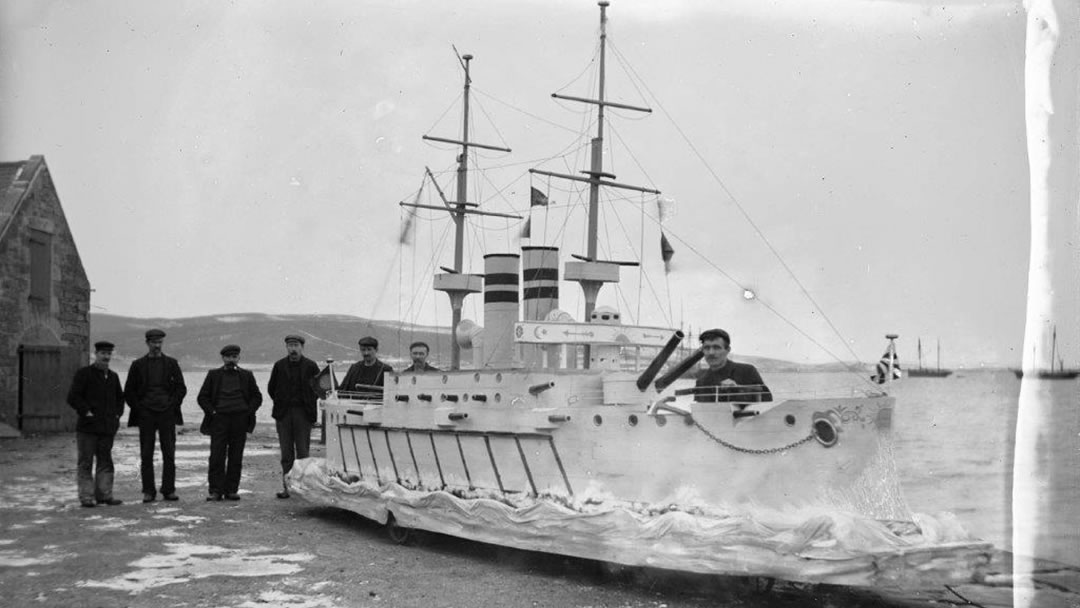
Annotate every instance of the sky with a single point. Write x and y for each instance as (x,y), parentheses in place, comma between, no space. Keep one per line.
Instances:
(859,166)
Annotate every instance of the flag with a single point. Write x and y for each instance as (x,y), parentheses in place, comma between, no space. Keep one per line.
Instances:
(537,198)
(882,374)
(322,382)
(407,228)
(666,251)
(526,230)
(665,208)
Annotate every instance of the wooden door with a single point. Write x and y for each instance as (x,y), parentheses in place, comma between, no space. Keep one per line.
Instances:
(45,374)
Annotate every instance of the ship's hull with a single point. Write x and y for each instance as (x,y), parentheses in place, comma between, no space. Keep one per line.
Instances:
(579,466)
(1069,374)
(929,373)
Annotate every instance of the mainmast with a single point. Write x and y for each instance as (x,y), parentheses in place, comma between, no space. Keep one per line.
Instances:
(453,282)
(590,272)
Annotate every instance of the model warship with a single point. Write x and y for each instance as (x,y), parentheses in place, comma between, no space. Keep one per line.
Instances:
(579,436)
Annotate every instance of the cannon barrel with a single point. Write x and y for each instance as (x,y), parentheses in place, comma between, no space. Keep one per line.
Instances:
(680,369)
(646,377)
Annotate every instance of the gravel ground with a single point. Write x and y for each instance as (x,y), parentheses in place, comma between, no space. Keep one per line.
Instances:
(266,552)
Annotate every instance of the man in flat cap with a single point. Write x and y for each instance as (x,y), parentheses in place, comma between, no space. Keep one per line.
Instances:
(154,391)
(364,380)
(229,398)
(295,404)
(96,396)
(419,353)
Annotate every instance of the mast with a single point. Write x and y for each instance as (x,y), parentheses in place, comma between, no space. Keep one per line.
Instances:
(454,283)
(919,342)
(591,273)
(1053,348)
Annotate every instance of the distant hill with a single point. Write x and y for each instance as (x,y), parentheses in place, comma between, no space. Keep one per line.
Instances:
(195,341)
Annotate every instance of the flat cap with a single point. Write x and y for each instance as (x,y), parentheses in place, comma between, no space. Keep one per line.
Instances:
(369,341)
(154,334)
(103,345)
(230,349)
(294,338)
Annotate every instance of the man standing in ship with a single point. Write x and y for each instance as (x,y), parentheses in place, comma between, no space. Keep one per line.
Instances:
(96,396)
(419,353)
(365,377)
(229,398)
(292,389)
(154,390)
(719,381)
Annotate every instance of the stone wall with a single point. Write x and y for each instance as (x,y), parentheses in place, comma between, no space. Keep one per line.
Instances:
(60,320)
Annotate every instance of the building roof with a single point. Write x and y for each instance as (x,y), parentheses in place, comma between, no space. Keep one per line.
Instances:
(15,178)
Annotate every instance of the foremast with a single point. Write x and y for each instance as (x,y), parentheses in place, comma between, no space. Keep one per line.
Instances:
(589,271)
(457,285)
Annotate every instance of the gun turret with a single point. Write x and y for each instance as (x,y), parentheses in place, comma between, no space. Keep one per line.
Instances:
(679,370)
(646,377)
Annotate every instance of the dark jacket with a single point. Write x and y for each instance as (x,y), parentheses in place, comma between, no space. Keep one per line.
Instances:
(211,388)
(366,381)
(99,393)
(136,384)
(750,385)
(278,388)
(427,368)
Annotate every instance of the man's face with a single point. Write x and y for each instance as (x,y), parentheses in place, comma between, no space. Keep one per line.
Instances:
(367,353)
(230,360)
(419,355)
(295,350)
(102,358)
(154,346)
(716,352)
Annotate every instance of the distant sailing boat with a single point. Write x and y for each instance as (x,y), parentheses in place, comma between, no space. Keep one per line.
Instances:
(1053,374)
(925,372)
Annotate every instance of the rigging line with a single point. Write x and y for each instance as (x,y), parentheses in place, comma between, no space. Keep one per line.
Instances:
(589,65)
(525,112)
(758,299)
(445,112)
(540,161)
(491,122)
(746,216)
(630,153)
(652,289)
(416,305)
(641,248)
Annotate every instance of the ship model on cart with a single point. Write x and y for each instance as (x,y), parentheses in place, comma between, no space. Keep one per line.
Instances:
(555,439)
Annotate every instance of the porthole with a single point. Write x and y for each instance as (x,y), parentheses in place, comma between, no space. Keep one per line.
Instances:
(789,420)
(476,377)
(397,379)
(632,419)
(661,420)
(825,432)
(444,378)
(598,420)
(498,398)
(414,379)
(498,377)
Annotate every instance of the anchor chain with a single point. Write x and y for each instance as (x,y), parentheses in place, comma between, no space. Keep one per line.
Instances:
(750,450)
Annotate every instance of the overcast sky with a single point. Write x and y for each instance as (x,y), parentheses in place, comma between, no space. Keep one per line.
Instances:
(248,157)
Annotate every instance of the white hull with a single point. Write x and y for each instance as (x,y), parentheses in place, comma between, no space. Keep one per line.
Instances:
(563,472)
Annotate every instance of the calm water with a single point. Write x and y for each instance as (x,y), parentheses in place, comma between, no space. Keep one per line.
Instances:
(954,439)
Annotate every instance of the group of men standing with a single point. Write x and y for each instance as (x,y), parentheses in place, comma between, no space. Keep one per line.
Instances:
(155,390)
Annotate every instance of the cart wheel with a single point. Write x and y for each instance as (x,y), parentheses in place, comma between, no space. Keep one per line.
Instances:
(762,584)
(398,534)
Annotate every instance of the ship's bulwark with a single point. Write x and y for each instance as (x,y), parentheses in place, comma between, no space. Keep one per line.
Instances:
(800,545)
(803,490)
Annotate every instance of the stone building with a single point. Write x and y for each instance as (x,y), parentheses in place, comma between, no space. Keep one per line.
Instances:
(44,302)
